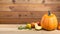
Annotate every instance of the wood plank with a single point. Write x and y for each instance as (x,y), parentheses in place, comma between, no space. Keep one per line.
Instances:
(5,1)
(52,1)
(26,16)
(29,7)
(28,1)
(24,7)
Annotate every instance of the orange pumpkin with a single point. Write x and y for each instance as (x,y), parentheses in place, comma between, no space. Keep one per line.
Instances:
(49,21)
(58,26)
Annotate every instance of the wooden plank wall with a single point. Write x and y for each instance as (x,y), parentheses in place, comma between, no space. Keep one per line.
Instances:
(23,11)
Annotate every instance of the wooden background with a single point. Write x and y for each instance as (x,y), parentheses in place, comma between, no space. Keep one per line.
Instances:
(26,11)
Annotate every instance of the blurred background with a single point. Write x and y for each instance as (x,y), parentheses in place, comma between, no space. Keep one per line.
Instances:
(26,11)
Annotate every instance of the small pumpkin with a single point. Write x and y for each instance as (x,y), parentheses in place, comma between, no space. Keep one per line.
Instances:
(58,28)
(49,21)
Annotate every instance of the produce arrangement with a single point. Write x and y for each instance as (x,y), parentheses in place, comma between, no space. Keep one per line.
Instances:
(48,22)
(33,25)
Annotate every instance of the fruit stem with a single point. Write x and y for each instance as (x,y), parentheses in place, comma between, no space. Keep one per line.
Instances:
(49,13)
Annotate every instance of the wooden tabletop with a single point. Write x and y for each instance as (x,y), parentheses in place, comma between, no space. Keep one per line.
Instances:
(13,29)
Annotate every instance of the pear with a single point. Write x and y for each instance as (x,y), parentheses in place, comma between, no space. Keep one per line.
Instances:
(28,26)
(37,27)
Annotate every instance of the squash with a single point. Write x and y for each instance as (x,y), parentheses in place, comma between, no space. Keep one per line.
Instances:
(58,28)
(37,27)
(49,21)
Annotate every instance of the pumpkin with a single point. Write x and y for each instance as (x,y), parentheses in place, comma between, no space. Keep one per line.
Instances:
(58,28)
(49,21)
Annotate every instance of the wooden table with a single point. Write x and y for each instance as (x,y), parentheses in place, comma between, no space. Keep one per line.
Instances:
(13,29)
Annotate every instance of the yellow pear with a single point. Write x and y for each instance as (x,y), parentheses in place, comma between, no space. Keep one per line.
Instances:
(28,25)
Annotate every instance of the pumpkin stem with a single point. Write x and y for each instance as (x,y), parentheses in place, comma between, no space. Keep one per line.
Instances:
(49,13)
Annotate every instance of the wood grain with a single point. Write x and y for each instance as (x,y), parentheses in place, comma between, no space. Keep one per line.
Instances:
(7,17)
(23,11)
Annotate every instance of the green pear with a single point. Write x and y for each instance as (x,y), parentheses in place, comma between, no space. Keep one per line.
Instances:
(37,27)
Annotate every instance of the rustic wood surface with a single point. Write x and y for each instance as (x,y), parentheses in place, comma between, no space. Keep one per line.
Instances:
(26,11)
(23,17)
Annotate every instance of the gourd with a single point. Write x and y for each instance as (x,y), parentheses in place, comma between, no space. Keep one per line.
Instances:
(37,27)
(49,21)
